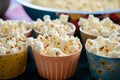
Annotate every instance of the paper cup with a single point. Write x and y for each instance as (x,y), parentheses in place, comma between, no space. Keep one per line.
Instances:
(103,68)
(71,33)
(56,68)
(86,36)
(13,65)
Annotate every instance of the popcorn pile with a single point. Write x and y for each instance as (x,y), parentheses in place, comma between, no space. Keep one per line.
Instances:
(11,26)
(108,47)
(79,5)
(13,43)
(55,45)
(47,26)
(94,26)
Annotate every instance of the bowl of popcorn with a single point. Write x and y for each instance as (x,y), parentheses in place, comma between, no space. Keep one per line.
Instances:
(74,8)
(56,56)
(92,27)
(104,57)
(13,55)
(8,26)
(59,25)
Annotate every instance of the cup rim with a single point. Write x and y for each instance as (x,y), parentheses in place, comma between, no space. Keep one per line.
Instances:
(27,31)
(19,52)
(47,56)
(73,28)
(81,30)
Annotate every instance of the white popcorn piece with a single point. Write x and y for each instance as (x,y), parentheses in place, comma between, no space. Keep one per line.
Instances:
(29,41)
(105,32)
(14,50)
(2,50)
(52,31)
(64,18)
(39,46)
(108,47)
(10,44)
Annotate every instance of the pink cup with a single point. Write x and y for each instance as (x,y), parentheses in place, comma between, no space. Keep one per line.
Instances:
(56,68)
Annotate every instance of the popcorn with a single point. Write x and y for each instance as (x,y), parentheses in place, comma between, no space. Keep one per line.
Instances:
(14,50)
(108,47)
(56,45)
(39,46)
(13,43)
(61,25)
(82,5)
(2,50)
(94,26)
(29,41)
(64,18)
(8,26)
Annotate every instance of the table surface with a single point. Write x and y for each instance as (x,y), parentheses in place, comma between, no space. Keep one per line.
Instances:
(16,12)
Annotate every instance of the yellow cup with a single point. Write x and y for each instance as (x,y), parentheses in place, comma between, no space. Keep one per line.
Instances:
(13,65)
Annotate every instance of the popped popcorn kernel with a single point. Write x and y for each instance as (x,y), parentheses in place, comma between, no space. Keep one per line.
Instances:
(108,47)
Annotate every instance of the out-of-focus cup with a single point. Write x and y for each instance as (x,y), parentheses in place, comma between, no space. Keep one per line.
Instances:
(103,68)
(13,65)
(86,36)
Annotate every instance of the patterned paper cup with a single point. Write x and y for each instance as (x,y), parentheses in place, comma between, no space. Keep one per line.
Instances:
(13,65)
(86,36)
(69,33)
(56,68)
(103,68)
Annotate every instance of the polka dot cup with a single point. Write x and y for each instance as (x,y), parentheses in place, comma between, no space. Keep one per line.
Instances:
(103,68)
(13,65)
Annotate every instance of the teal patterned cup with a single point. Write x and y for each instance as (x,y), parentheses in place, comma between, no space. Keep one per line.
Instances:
(103,68)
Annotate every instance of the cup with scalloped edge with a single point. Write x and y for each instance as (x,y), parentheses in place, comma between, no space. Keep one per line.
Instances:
(103,68)
(56,68)
(70,33)
(85,36)
(13,65)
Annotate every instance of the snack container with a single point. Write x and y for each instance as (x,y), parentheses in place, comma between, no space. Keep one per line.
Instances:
(85,36)
(71,33)
(13,65)
(103,68)
(56,68)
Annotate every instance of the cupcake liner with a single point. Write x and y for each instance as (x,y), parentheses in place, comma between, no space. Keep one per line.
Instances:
(56,68)
(13,65)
